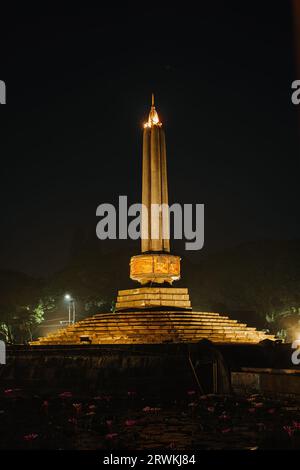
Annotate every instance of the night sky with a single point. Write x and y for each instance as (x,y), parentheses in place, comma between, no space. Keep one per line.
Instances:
(79,89)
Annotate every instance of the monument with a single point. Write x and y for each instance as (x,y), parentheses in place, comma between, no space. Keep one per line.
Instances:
(156,312)
(155,266)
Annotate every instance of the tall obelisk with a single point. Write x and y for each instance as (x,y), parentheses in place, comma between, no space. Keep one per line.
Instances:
(155,264)
(155,223)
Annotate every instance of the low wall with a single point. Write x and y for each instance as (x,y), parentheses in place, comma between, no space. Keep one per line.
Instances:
(153,368)
(281,382)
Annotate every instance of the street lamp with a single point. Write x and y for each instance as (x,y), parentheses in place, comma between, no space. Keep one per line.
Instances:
(72,312)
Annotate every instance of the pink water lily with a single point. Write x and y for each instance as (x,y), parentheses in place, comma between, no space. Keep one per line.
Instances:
(30,437)
(224,416)
(103,397)
(92,407)
(251,410)
(9,391)
(211,409)
(193,404)
(45,406)
(149,409)
(66,395)
(258,405)
(261,426)
(72,420)
(289,430)
(111,435)
(226,430)
(131,393)
(191,392)
(130,422)
(271,411)
(109,422)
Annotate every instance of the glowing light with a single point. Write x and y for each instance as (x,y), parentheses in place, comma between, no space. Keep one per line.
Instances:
(153,119)
(67,297)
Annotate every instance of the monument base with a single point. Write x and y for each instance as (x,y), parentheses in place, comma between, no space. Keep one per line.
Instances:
(145,326)
(146,297)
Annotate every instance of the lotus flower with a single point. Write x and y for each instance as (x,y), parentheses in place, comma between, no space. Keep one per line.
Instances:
(224,416)
(111,435)
(289,430)
(30,437)
(147,409)
(259,405)
(130,422)
(226,430)
(192,404)
(45,406)
(72,420)
(66,395)
(261,426)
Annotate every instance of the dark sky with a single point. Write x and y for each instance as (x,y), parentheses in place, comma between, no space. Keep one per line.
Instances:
(78,92)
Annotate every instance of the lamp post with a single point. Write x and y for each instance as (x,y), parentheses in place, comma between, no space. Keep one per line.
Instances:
(71,309)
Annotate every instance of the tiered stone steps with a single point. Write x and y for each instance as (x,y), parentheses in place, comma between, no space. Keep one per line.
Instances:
(148,297)
(143,327)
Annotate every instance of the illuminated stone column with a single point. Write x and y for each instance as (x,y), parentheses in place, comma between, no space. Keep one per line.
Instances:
(155,264)
(155,223)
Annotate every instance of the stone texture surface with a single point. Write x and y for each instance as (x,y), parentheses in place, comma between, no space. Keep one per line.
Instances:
(147,297)
(142,327)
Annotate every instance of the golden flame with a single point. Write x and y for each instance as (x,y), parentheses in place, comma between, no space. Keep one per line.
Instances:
(153,119)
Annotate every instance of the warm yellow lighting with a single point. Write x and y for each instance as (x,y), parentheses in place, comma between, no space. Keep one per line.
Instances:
(153,119)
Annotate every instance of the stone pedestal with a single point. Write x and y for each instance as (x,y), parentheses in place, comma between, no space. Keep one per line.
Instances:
(155,267)
(147,297)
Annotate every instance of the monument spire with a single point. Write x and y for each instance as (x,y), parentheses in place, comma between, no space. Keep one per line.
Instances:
(155,216)
(155,264)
